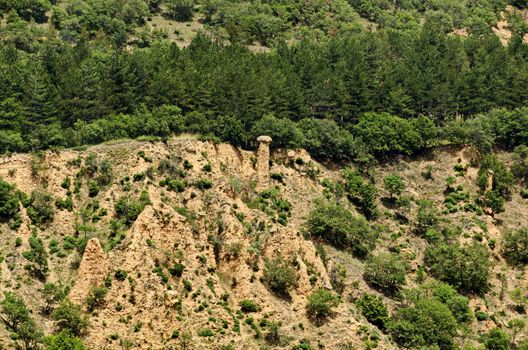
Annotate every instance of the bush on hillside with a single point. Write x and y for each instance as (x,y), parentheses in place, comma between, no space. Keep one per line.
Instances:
(38,256)
(464,267)
(70,317)
(520,167)
(502,177)
(361,192)
(393,184)
(128,209)
(426,217)
(374,310)
(429,323)
(386,272)
(445,293)
(496,339)
(279,276)
(40,208)
(321,303)
(9,201)
(336,225)
(515,246)
(64,340)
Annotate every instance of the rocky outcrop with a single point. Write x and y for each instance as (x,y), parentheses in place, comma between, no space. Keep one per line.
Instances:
(92,271)
(263,157)
(489,181)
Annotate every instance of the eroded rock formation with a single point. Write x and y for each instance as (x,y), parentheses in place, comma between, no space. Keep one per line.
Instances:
(92,271)
(263,157)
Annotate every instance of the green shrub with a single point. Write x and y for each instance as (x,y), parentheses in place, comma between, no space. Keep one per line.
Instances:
(428,173)
(374,310)
(393,184)
(177,270)
(321,303)
(502,177)
(121,275)
(428,323)
(361,193)
(464,267)
(273,204)
(159,271)
(95,298)
(403,202)
(277,176)
(496,339)
(40,208)
(248,306)
(23,329)
(38,256)
(9,201)
(99,171)
(207,167)
(279,275)
(139,177)
(70,317)
(203,184)
(15,222)
(207,332)
(477,132)
(336,225)
(93,188)
(14,310)
(169,166)
(382,133)
(283,131)
(459,169)
(187,285)
(273,336)
(69,243)
(454,197)
(66,203)
(52,294)
(457,304)
(303,345)
(127,209)
(386,272)
(173,184)
(64,340)
(481,315)
(324,139)
(187,165)
(520,167)
(141,154)
(515,246)
(426,217)
(494,201)
(66,183)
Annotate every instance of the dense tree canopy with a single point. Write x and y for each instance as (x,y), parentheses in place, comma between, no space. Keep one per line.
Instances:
(377,92)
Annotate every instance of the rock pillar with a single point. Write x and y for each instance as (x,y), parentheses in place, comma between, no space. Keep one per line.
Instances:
(489,182)
(91,273)
(263,157)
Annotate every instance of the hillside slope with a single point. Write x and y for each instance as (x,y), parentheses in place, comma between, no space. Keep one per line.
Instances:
(179,236)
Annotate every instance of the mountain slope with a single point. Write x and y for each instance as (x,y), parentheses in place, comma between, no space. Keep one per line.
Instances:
(188,268)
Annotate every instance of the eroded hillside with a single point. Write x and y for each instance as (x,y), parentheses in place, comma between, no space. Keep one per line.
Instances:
(178,245)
